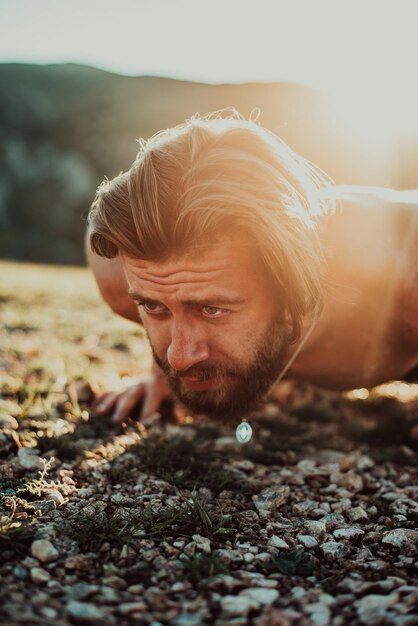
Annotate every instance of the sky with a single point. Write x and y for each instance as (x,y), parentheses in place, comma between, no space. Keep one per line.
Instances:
(370,46)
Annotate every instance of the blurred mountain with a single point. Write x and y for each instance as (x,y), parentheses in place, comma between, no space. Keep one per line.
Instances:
(63,128)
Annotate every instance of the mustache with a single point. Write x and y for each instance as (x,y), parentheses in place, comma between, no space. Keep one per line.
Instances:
(202,373)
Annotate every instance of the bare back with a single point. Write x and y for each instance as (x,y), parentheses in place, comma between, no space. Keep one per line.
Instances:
(367,331)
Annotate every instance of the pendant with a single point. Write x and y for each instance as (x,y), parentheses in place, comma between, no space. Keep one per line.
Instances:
(243,432)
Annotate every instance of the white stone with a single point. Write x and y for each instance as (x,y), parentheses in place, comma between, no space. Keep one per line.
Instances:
(202,543)
(55,496)
(371,609)
(319,614)
(334,549)
(348,533)
(126,608)
(29,459)
(358,514)
(39,576)
(238,605)
(85,612)
(277,542)
(271,498)
(307,541)
(401,537)
(315,527)
(260,594)
(44,551)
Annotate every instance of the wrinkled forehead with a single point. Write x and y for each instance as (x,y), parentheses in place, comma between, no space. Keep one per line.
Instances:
(231,260)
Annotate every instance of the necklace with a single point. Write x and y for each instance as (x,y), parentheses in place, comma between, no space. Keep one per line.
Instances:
(244,432)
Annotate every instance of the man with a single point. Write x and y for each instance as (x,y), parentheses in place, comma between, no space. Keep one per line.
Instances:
(226,246)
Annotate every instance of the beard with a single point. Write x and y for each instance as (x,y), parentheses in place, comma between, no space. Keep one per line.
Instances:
(241,388)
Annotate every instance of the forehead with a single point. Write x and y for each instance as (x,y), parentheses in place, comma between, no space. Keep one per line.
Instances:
(231,262)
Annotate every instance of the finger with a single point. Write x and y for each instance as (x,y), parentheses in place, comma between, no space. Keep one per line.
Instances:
(106,403)
(151,404)
(126,403)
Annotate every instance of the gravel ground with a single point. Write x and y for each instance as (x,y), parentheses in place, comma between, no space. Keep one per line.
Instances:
(180,524)
(313,522)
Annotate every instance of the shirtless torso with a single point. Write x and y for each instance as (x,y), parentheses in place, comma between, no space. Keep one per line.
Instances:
(367,332)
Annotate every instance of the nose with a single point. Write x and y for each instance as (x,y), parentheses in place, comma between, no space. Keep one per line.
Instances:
(187,347)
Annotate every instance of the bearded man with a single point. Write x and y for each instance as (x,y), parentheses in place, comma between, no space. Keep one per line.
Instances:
(244,264)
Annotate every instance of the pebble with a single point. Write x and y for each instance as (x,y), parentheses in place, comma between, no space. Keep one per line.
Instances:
(202,543)
(401,537)
(307,541)
(8,421)
(39,576)
(87,613)
(348,533)
(238,605)
(277,542)
(44,551)
(319,613)
(351,481)
(271,498)
(126,608)
(79,562)
(29,458)
(333,521)
(371,609)
(316,528)
(81,591)
(334,549)
(56,496)
(260,595)
(358,514)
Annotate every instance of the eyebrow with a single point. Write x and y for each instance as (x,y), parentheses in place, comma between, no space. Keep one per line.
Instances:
(134,295)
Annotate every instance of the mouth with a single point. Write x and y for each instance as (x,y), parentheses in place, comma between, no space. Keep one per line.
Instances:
(200,385)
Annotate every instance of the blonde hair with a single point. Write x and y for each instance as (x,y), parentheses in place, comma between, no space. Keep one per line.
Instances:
(213,175)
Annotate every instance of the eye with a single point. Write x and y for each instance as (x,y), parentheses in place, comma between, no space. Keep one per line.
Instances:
(213,311)
(153,308)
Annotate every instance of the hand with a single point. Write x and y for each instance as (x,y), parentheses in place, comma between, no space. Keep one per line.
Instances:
(146,396)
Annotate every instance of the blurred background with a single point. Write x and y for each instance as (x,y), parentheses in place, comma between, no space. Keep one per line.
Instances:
(81,81)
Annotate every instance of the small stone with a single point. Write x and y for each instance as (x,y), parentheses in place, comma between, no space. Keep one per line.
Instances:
(49,612)
(401,537)
(271,498)
(277,542)
(126,608)
(307,541)
(81,591)
(358,514)
(20,572)
(44,551)
(86,613)
(348,533)
(80,562)
(29,459)
(8,421)
(371,609)
(319,613)
(114,581)
(260,595)
(202,543)
(333,521)
(351,481)
(39,576)
(122,500)
(237,605)
(334,549)
(316,528)
(55,496)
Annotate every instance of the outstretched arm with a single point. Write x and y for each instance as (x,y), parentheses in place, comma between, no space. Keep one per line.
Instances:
(146,396)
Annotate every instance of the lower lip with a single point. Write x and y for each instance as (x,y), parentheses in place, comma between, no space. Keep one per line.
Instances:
(200,385)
